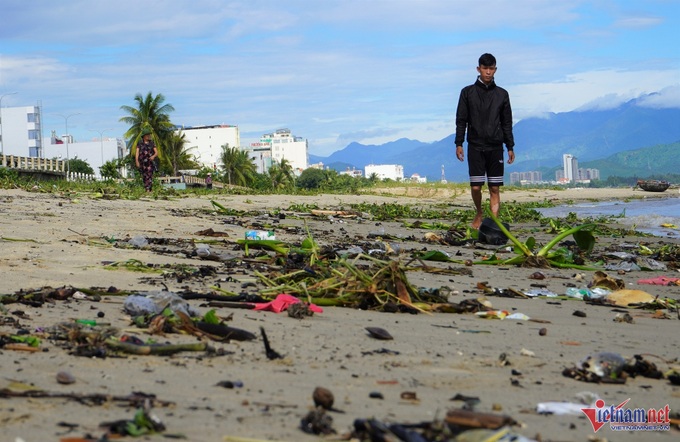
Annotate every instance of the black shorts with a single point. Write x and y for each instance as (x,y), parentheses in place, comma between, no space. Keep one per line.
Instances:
(485,165)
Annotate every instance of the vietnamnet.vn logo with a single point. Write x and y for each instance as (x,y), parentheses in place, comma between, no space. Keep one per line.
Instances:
(621,418)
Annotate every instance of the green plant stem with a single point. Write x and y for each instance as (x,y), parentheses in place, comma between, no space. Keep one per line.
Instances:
(544,251)
(521,246)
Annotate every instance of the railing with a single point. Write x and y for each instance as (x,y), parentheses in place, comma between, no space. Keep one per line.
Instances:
(188,179)
(37,165)
(76,176)
(32,163)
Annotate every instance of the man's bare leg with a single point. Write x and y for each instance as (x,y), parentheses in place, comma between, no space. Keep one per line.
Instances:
(495,200)
(476,192)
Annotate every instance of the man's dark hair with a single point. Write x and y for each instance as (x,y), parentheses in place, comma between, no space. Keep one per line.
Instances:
(487,60)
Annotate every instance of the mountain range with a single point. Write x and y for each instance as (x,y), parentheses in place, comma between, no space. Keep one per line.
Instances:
(598,138)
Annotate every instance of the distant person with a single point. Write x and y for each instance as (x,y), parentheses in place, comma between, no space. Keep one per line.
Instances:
(208,181)
(145,155)
(484,112)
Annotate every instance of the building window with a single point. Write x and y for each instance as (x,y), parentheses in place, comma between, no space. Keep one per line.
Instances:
(33,134)
(32,118)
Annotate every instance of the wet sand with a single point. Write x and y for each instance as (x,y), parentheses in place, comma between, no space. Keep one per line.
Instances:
(57,241)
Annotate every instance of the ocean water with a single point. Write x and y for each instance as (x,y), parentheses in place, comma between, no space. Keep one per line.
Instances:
(646,215)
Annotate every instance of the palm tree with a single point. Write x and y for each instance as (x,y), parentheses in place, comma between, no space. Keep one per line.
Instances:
(281,175)
(238,167)
(176,155)
(150,113)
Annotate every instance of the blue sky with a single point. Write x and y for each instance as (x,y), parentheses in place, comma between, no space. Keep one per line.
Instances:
(332,71)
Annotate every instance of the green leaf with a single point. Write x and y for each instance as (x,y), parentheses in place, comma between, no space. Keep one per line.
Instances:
(584,240)
(308,243)
(556,240)
(29,340)
(271,244)
(530,243)
(561,255)
(133,430)
(211,317)
(435,255)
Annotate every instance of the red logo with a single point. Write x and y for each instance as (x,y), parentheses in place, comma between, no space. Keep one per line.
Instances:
(627,419)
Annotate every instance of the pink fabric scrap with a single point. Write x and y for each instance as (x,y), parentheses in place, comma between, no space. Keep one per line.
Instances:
(282,302)
(660,280)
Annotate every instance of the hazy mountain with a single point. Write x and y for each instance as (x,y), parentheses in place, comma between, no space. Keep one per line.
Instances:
(356,153)
(654,160)
(540,143)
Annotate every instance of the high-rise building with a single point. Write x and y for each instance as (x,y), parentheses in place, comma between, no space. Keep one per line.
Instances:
(208,142)
(533,176)
(277,146)
(590,174)
(286,146)
(570,166)
(21,131)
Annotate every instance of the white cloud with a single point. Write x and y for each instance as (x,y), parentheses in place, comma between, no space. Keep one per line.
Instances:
(637,22)
(328,70)
(602,89)
(668,97)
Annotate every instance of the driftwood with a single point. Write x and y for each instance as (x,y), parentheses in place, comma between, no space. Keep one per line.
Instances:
(338,213)
(473,419)
(136,399)
(21,347)
(156,349)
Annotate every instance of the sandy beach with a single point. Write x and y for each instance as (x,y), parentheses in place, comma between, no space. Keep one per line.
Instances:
(237,393)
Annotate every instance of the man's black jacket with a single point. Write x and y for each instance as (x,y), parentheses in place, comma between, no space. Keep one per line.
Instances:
(485,112)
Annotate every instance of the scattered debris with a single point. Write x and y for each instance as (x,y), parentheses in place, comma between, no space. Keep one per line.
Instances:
(379,333)
(625,298)
(612,368)
(271,353)
(317,421)
(626,317)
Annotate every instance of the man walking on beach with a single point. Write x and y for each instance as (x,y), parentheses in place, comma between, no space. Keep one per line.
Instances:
(484,112)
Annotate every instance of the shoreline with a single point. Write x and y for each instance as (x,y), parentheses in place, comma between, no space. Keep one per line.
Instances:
(528,195)
(510,366)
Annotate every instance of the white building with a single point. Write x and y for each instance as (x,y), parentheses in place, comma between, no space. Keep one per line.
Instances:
(21,131)
(532,176)
(589,174)
(570,166)
(261,155)
(21,135)
(293,149)
(383,171)
(274,147)
(208,142)
(354,173)
(95,152)
(416,178)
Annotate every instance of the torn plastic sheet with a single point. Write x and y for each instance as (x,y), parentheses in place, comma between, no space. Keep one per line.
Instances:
(282,302)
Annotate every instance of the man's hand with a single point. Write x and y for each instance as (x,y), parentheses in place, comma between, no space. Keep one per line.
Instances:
(511,156)
(459,153)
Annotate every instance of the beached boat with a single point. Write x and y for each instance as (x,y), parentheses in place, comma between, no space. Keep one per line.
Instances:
(653,185)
